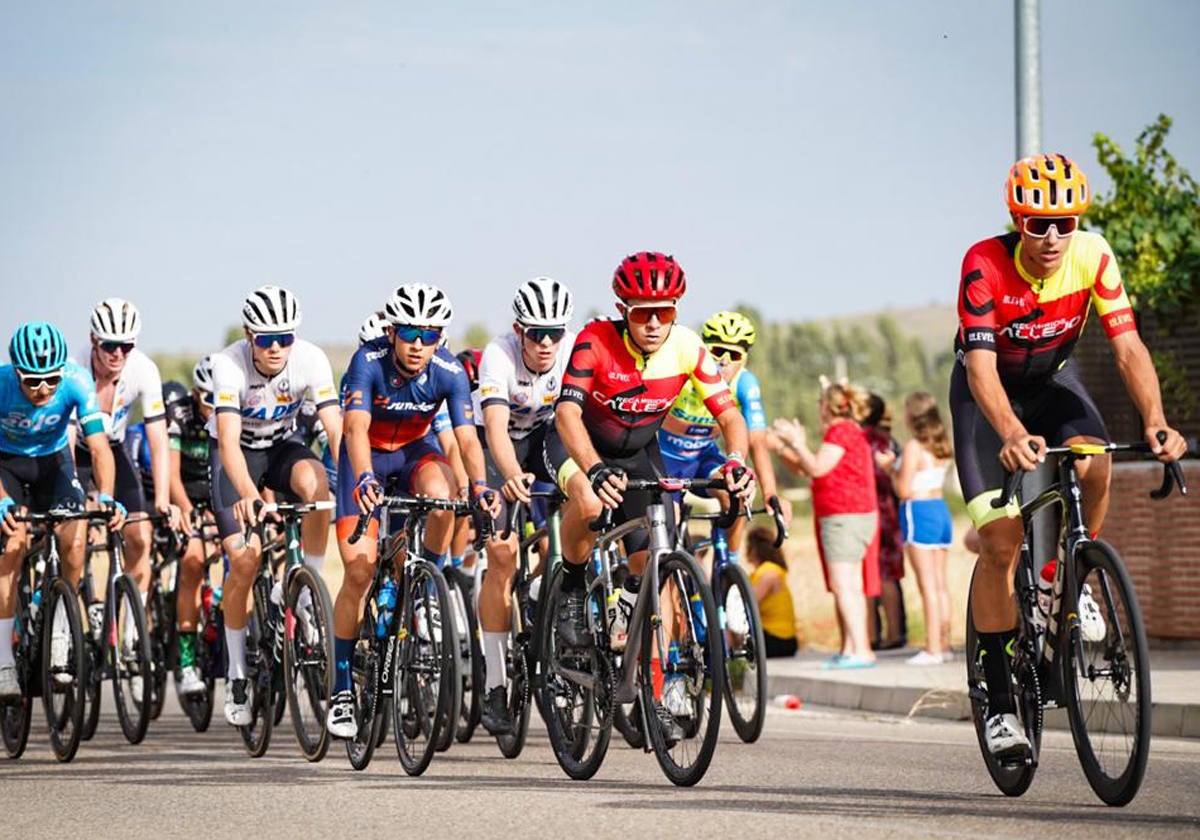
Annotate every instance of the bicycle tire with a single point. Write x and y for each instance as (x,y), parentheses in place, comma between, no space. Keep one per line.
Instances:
(425,673)
(471,656)
(260,671)
(745,661)
(162,640)
(65,724)
(578,719)
(93,656)
(130,660)
(519,687)
(199,707)
(702,681)
(450,714)
(16,713)
(1011,779)
(308,660)
(369,710)
(1114,774)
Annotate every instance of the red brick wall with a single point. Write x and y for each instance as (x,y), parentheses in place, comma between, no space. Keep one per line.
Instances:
(1160,544)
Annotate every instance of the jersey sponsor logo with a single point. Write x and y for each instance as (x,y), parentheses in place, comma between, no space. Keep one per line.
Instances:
(17,422)
(634,404)
(552,384)
(547,399)
(520,397)
(489,390)
(283,399)
(1014,300)
(1040,331)
(375,355)
(227,397)
(1119,319)
(618,376)
(387,404)
(980,336)
(283,386)
(264,413)
(325,392)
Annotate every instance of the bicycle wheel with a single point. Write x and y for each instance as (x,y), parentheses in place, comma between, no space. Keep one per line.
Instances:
(693,687)
(365,668)
(16,713)
(745,653)
(1011,778)
(425,680)
(260,670)
(1108,690)
(471,665)
(511,743)
(578,712)
(93,660)
(308,658)
(161,622)
(199,707)
(63,684)
(129,649)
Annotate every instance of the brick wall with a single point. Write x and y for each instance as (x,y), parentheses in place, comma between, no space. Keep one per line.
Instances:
(1160,544)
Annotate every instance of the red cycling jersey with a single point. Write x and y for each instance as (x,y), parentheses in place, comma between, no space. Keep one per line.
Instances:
(1032,323)
(625,395)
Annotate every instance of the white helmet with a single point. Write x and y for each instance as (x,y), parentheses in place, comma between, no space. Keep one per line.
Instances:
(543,302)
(371,329)
(116,319)
(202,374)
(419,305)
(271,309)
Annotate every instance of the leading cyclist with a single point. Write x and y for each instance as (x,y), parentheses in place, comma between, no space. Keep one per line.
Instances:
(1023,301)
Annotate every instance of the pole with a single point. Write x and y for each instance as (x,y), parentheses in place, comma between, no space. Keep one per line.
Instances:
(1029,77)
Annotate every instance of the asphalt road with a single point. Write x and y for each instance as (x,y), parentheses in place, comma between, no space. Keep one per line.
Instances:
(814,773)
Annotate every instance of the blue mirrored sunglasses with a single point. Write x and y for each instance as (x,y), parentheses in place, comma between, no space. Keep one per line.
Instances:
(265,340)
(410,334)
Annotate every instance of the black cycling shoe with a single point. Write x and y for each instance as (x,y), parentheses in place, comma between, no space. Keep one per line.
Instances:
(495,717)
(572,627)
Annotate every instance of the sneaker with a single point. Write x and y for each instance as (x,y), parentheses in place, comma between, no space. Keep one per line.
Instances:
(666,722)
(60,649)
(1005,738)
(675,697)
(237,703)
(495,717)
(572,626)
(924,657)
(340,722)
(619,612)
(10,686)
(1091,622)
(190,681)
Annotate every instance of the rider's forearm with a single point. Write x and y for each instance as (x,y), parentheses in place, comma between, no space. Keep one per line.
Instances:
(733,430)
(331,418)
(568,419)
(495,425)
(179,495)
(472,454)
(1141,381)
(160,461)
(984,382)
(104,470)
(357,431)
(760,456)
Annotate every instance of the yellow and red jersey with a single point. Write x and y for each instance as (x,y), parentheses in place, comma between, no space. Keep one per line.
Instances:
(1032,323)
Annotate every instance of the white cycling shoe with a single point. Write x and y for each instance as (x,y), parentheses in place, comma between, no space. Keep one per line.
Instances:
(190,681)
(237,703)
(10,686)
(60,649)
(675,698)
(1091,622)
(1005,737)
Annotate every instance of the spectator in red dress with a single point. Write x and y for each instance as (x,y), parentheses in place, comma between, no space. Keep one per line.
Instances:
(891,632)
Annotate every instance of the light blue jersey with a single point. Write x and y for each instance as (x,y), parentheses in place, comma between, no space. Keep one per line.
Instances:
(31,430)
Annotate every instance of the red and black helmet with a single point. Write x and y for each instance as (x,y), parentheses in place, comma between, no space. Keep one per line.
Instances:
(469,359)
(649,276)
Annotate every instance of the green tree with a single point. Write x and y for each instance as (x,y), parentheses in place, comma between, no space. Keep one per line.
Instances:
(1151,218)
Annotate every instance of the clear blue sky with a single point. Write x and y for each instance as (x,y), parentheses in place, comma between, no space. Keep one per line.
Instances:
(813,159)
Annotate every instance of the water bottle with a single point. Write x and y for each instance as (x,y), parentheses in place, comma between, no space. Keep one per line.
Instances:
(1045,594)
(35,604)
(209,601)
(385,604)
(697,604)
(96,619)
(673,657)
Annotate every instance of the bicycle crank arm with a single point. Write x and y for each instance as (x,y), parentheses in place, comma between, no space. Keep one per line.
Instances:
(581,678)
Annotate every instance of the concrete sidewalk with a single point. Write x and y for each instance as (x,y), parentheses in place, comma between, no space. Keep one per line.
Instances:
(939,691)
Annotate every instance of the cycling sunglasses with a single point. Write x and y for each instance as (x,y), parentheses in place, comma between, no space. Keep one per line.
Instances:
(641,315)
(725,354)
(34,381)
(125,347)
(1039,226)
(539,334)
(429,335)
(265,340)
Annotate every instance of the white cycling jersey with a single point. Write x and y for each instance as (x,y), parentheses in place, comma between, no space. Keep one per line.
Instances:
(504,379)
(139,381)
(269,406)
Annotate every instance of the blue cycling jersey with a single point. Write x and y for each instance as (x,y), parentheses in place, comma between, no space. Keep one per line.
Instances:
(26,429)
(701,426)
(403,409)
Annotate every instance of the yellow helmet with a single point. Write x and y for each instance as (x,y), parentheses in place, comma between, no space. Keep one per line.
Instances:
(729,328)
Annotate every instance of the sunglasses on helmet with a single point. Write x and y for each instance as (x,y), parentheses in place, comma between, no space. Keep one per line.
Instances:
(265,340)
(35,381)
(539,334)
(725,354)
(641,315)
(125,347)
(428,335)
(1039,226)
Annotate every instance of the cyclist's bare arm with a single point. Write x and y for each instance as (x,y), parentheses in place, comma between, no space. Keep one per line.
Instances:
(179,496)
(1141,381)
(495,425)
(160,461)
(229,442)
(331,418)
(104,470)
(984,380)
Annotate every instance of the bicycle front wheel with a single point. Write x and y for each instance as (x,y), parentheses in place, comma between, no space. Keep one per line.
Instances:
(16,713)
(683,717)
(260,671)
(471,668)
(163,643)
(1106,676)
(745,653)
(308,657)
(129,649)
(64,671)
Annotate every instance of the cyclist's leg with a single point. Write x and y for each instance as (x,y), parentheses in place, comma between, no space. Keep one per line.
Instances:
(428,474)
(1070,416)
(16,473)
(138,536)
(294,470)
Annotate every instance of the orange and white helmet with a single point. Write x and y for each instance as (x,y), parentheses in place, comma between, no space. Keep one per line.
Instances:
(1047,185)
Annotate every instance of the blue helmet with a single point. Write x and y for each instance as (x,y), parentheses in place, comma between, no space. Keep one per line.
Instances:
(37,347)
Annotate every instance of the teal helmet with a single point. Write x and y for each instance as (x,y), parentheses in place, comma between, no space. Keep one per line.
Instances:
(37,347)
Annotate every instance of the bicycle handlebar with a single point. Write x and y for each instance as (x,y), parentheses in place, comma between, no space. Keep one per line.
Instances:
(413,504)
(773,508)
(669,484)
(1172,472)
(514,509)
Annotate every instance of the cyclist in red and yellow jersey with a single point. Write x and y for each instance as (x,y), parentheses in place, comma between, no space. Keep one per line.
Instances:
(623,376)
(1023,301)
